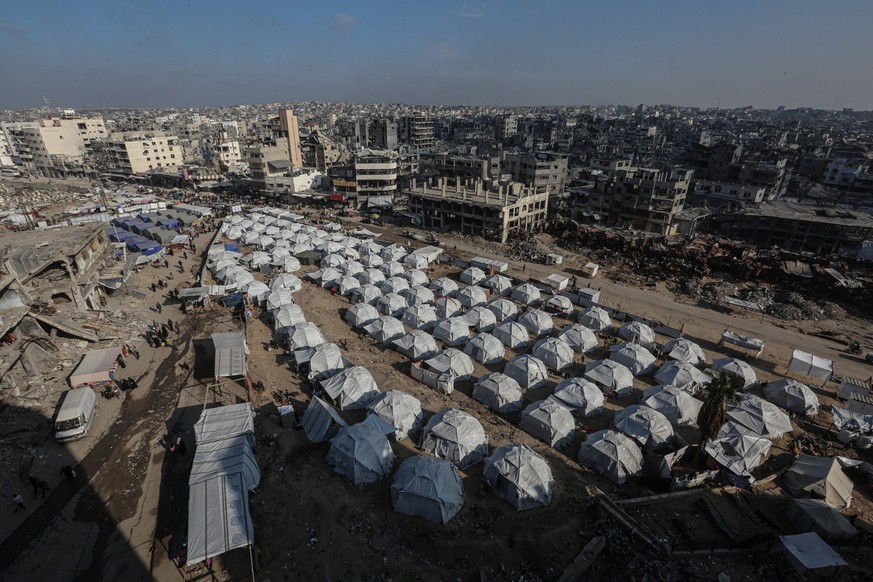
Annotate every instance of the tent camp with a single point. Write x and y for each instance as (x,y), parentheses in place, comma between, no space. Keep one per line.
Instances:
(820,477)
(361,314)
(528,371)
(579,337)
(550,422)
(536,322)
(526,294)
(637,332)
(737,368)
(361,454)
(684,350)
(499,392)
(97,367)
(427,488)
(416,345)
(512,334)
(451,361)
(648,427)
(555,353)
(595,319)
(455,436)
(610,376)
(793,396)
(611,454)
(579,395)
(738,451)
(419,317)
(352,388)
(399,409)
(520,476)
(762,418)
(453,331)
(230,354)
(481,318)
(503,309)
(385,329)
(680,408)
(320,420)
(485,348)
(682,375)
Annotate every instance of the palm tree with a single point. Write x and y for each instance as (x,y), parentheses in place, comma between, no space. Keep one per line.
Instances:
(713,413)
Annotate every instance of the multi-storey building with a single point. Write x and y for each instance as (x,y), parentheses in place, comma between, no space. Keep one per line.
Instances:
(644,199)
(136,153)
(505,127)
(417,131)
(540,170)
(467,167)
(376,173)
(319,151)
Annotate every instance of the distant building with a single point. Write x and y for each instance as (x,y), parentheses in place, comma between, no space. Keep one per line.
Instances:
(716,194)
(376,173)
(644,199)
(131,153)
(291,132)
(417,132)
(505,127)
(267,160)
(539,170)
(467,167)
(493,213)
(223,148)
(54,147)
(383,134)
(319,151)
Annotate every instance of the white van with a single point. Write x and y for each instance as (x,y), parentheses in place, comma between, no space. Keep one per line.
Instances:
(76,413)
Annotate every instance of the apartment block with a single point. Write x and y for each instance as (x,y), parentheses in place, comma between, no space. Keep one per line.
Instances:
(136,153)
(539,170)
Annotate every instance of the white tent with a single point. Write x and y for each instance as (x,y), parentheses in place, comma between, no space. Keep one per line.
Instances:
(332,261)
(373,262)
(793,396)
(682,375)
(327,276)
(499,284)
(427,488)
(399,409)
(637,332)
(287,281)
(526,294)
(512,334)
(811,365)
(472,296)
(807,551)
(393,285)
(444,287)
(418,295)
(499,392)
(578,394)
(287,316)
(536,322)
(579,337)
(416,345)
(678,406)
(394,252)
(634,357)
(392,304)
(503,309)
(647,426)
(554,352)
(595,318)
(550,422)
(452,361)
(447,307)
(420,316)
(481,318)
(762,418)
(414,261)
(455,436)
(737,368)
(278,298)
(528,371)
(366,294)
(361,314)
(385,329)
(218,517)
(257,290)
(485,348)
(230,354)
(612,377)
(472,276)
(224,422)
(361,454)
(820,477)
(416,277)
(304,336)
(684,350)
(352,388)
(520,476)
(346,284)
(559,304)
(351,268)
(737,450)
(391,268)
(288,264)
(611,454)
(324,361)
(371,276)
(453,331)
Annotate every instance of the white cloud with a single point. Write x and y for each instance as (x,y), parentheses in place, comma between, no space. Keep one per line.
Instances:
(344,20)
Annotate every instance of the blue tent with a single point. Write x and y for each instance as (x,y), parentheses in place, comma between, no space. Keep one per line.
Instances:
(132,243)
(139,227)
(232,247)
(147,216)
(119,222)
(120,235)
(168,222)
(148,247)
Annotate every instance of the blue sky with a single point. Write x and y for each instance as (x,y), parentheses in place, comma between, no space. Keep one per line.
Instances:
(152,53)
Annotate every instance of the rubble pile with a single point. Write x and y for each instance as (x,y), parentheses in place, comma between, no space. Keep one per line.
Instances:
(12,197)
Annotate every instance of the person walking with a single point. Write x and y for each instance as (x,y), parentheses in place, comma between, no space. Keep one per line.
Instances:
(68,472)
(18,500)
(38,484)
(158,307)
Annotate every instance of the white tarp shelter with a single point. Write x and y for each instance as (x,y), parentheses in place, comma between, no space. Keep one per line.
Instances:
(520,476)
(499,392)
(550,422)
(427,488)
(96,367)
(230,354)
(352,388)
(361,454)
(578,394)
(811,365)
(808,551)
(528,371)
(399,409)
(611,454)
(318,420)
(455,436)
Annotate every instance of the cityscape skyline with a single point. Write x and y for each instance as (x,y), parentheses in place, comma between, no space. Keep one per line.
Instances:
(152,54)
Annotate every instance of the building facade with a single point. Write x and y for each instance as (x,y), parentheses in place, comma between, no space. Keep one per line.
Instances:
(539,170)
(131,153)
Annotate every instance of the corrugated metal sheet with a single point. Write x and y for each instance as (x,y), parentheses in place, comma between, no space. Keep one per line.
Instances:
(230,354)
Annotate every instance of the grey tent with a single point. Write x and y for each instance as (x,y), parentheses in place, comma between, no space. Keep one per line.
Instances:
(472,276)
(218,517)
(611,454)
(324,361)
(808,551)
(761,417)
(648,427)
(472,296)
(821,477)
(793,396)
(399,409)
(499,392)
(286,281)
(595,318)
(526,294)
(346,284)
(224,422)
(520,476)
(304,336)
(512,334)
(391,268)
(454,331)
(417,295)
(427,488)
(503,309)
(579,337)
(485,348)
(499,284)
(361,314)
(528,371)
(737,368)
(393,285)
(578,394)
(682,375)
(814,515)
(550,422)
(481,318)
(444,287)
(371,277)
(680,408)
(452,361)
(610,376)
(455,436)
(559,304)
(634,357)
(536,322)
(416,277)
(366,293)
(555,353)
(385,329)
(447,307)
(683,350)
(352,388)
(392,304)
(737,450)
(230,354)
(361,454)
(416,345)
(637,332)
(319,419)
(420,317)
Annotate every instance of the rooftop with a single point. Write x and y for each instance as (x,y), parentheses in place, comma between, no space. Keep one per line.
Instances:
(811,213)
(28,252)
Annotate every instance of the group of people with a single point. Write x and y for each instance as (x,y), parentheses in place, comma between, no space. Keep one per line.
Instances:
(158,334)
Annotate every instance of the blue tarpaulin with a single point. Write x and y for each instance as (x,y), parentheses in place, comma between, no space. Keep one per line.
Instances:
(148,247)
(120,236)
(231,247)
(132,243)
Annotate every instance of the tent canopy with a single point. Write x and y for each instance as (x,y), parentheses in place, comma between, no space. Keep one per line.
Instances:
(427,488)
(550,422)
(822,477)
(612,454)
(218,517)
(520,476)
(811,365)
(499,392)
(361,454)
(96,366)
(578,394)
(230,354)
(399,409)
(455,436)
